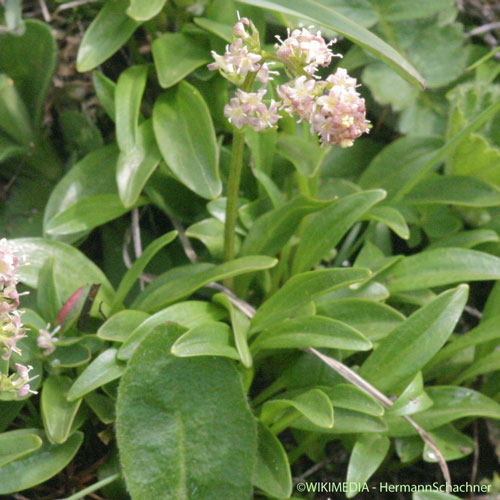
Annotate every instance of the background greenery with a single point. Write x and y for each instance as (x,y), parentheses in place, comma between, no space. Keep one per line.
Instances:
(383,256)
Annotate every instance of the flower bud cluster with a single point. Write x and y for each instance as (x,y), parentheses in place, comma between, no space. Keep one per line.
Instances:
(11,326)
(304,51)
(332,107)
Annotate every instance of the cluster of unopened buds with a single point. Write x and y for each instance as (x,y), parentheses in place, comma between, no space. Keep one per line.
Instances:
(11,326)
(332,107)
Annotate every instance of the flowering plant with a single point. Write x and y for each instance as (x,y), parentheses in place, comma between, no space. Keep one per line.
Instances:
(219,280)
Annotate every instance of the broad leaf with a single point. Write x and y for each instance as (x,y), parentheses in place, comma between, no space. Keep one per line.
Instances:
(440,266)
(58,413)
(208,442)
(183,287)
(208,339)
(176,55)
(412,344)
(142,10)
(119,326)
(72,269)
(186,137)
(272,470)
(188,314)
(14,445)
(105,368)
(128,97)
(38,466)
(301,290)
(312,331)
(368,453)
(324,230)
(105,35)
(450,403)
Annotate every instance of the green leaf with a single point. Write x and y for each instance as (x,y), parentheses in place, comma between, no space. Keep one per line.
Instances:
(451,443)
(189,314)
(440,266)
(128,97)
(301,290)
(486,364)
(346,422)
(397,10)
(9,148)
(412,400)
(306,156)
(105,35)
(183,287)
(134,168)
(14,446)
(208,442)
(176,55)
(103,406)
(411,345)
(351,398)
(323,231)
(186,137)
(133,274)
(454,190)
(94,175)
(38,466)
(86,214)
(392,218)
(373,319)
(211,233)
(222,30)
(316,13)
(118,327)
(71,271)
(241,326)
(271,231)
(209,339)
(15,119)
(312,331)
(368,453)
(105,368)
(466,239)
(398,163)
(486,331)
(272,470)
(57,412)
(33,57)
(105,90)
(388,87)
(69,356)
(142,10)
(433,495)
(450,403)
(48,302)
(314,405)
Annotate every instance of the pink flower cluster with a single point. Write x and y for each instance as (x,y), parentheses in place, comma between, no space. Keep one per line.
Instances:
(305,51)
(333,107)
(248,108)
(11,327)
(242,56)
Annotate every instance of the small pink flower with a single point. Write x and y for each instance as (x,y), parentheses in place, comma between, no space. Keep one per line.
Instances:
(303,49)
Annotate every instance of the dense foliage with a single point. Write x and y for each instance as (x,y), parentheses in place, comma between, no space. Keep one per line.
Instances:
(238,282)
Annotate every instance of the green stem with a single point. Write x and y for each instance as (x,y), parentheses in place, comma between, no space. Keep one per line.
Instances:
(285,421)
(94,487)
(233,186)
(4,366)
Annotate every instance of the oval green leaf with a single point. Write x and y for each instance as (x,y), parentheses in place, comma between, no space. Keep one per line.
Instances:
(186,137)
(208,439)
